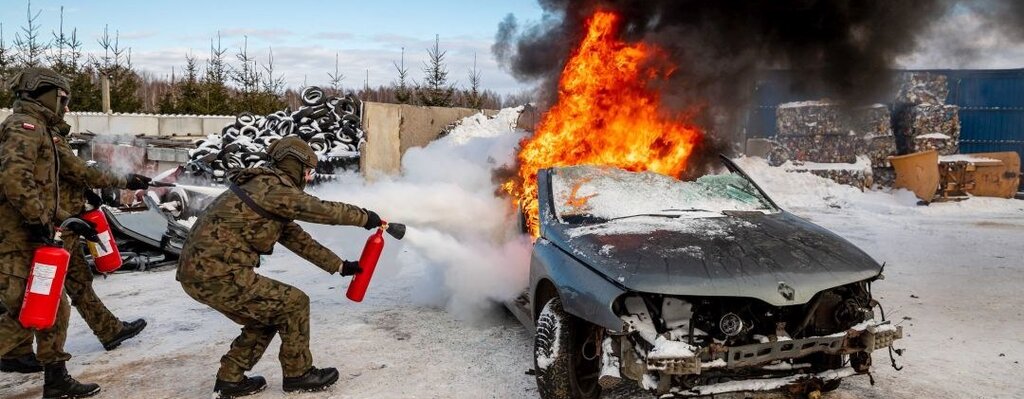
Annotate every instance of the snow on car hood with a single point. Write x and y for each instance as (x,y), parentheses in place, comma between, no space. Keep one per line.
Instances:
(734,246)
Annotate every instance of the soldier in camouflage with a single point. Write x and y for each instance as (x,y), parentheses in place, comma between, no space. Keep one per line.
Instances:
(29,208)
(76,181)
(220,254)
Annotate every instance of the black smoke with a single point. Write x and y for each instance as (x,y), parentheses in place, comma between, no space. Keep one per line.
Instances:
(845,48)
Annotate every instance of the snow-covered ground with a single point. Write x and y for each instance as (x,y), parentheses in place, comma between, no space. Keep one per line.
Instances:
(954,280)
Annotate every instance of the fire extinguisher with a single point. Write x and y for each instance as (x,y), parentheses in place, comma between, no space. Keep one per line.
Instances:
(106,257)
(368,260)
(45,285)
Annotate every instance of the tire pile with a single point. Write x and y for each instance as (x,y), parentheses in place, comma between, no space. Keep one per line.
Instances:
(331,126)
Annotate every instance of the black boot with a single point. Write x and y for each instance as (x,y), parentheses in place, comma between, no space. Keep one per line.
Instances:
(26,364)
(314,380)
(128,330)
(248,386)
(57,384)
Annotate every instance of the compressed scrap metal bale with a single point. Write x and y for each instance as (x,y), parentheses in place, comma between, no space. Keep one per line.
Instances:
(809,118)
(857,174)
(924,127)
(872,121)
(942,143)
(861,179)
(823,148)
(884,177)
(922,88)
(879,149)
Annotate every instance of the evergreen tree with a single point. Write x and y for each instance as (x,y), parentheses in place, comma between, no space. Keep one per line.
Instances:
(474,99)
(336,78)
(435,90)
(216,98)
(6,70)
(116,65)
(31,49)
(402,92)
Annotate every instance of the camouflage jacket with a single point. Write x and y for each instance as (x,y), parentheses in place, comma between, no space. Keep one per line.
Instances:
(28,178)
(230,236)
(77,176)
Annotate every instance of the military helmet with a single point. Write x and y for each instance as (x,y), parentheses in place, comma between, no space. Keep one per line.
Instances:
(293,147)
(30,79)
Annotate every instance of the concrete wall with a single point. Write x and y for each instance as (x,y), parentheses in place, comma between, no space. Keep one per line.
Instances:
(147,124)
(392,129)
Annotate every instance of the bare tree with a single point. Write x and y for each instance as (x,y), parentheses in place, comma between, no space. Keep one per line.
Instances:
(31,47)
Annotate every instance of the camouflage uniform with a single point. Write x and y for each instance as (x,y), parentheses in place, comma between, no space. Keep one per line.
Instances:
(76,177)
(217,264)
(28,177)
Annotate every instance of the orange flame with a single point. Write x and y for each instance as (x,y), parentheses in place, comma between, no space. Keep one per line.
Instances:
(605,115)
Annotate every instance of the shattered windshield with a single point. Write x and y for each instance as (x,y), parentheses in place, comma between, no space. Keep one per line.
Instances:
(594,193)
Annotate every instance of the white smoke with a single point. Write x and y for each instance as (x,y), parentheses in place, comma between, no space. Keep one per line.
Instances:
(462,237)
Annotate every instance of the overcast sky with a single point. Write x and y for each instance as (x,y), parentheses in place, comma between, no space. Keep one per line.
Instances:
(305,35)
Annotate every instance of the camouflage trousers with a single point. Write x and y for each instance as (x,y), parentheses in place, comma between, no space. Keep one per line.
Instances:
(264,307)
(12,334)
(78,286)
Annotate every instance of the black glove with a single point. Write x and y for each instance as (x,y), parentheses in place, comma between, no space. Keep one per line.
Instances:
(372,220)
(94,200)
(137,182)
(350,267)
(40,233)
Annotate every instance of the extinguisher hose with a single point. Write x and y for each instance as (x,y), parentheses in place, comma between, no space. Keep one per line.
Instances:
(84,229)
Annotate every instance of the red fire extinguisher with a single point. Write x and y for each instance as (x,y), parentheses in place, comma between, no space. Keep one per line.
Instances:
(368,260)
(106,257)
(45,286)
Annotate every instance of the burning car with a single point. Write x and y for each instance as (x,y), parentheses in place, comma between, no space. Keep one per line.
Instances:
(692,289)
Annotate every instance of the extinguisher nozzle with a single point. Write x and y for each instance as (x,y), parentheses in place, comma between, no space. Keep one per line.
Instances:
(396,230)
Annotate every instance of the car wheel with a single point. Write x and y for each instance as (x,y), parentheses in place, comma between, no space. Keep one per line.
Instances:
(183,212)
(566,355)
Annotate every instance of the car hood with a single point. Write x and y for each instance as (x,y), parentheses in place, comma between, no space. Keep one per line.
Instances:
(777,257)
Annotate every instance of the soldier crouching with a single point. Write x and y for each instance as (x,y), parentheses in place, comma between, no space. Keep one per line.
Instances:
(224,246)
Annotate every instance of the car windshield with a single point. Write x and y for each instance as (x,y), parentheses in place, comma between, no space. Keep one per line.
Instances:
(594,193)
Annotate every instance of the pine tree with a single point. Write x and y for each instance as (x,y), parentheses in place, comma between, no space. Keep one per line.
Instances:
(435,90)
(31,49)
(272,87)
(6,69)
(116,65)
(474,99)
(336,78)
(215,95)
(247,79)
(402,92)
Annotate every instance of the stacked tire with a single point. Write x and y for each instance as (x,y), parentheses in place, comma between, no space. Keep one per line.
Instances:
(331,126)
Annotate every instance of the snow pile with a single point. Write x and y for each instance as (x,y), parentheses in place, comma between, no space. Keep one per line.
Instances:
(806,192)
(461,239)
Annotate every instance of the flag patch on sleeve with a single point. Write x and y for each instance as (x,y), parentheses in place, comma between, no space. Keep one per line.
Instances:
(28,126)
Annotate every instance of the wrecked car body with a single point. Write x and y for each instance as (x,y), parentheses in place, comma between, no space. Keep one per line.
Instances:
(692,289)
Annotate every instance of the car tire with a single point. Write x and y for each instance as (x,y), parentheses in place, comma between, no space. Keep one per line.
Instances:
(184,212)
(562,370)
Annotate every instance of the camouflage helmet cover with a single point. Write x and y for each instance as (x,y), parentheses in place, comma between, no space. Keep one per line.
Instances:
(293,147)
(32,78)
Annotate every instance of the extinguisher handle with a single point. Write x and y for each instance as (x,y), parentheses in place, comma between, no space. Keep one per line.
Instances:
(84,229)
